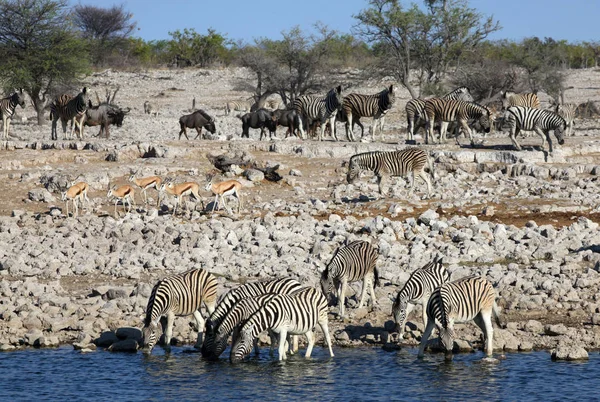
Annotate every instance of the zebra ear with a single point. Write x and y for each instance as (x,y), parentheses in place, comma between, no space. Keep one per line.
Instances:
(339,89)
(84,90)
(391,89)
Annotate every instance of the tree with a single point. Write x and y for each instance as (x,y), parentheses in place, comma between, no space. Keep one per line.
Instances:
(408,38)
(191,48)
(38,51)
(106,29)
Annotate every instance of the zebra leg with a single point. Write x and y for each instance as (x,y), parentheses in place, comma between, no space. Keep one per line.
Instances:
(281,348)
(332,125)
(513,133)
(443,130)
(310,338)
(325,328)
(169,330)
(200,328)
(363,293)
(349,128)
(372,287)
(484,321)
(7,127)
(425,178)
(342,297)
(425,337)
(380,181)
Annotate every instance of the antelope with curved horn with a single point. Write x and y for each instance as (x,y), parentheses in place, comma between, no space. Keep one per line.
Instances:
(180,190)
(223,189)
(145,183)
(126,194)
(76,193)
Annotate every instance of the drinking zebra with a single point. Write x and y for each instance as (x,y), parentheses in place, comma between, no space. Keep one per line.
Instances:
(179,295)
(351,263)
(567,111)
(524,99)
(375,106)
(392,163)
(7,109)
(319,109)
(417,289)
(539,120)
(295,314)
(463,300)
(254,289)
(454,110)
(239,106)
(415,109)
(68,108)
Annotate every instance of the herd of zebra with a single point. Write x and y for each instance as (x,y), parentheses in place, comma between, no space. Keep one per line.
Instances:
(285,308)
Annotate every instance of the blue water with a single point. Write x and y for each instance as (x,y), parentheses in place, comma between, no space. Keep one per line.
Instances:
(354,374)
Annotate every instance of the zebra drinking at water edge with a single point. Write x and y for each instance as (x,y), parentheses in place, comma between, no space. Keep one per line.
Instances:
(7,109)
(179,295)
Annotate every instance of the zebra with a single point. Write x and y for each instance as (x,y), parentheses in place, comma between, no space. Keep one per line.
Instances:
(524,99)
(451,110)
(272,104)
(240,106)
(295,314)
(539,120)
(392,163)
(567,112)
(7,109)
(253,289)
(417,289)
(459,301)
(150,108)
(67,108)
(415,109)
(179,295)
(319,109)
(351,263)
(375,106)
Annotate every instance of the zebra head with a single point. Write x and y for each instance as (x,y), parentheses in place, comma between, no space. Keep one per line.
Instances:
(243,344)
(220,342)
(208,347)
(335,97)
(390,98)
(353,171)
(19,98)
(485,121)
(149,336)
(399,313)
(447,338)
(327,285)
(559,131)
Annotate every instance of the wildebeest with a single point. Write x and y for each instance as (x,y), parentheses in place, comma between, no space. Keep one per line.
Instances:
(341,117)
(102,115)
(262,119)
(289,119)
(198,120)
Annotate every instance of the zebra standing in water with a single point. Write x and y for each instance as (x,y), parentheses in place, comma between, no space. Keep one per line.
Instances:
(319,109)
(179,295)
(254,289)
(68,108)
(351,263)
(539,120)
(393,163)
(7,109)
(567,112)
(463,300)
(417,289)
(294,314)
(415,109)
(375,106)
(450,110)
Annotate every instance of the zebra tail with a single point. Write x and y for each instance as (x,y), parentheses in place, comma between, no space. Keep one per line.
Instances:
(376,275)
(431,166)
(496,313)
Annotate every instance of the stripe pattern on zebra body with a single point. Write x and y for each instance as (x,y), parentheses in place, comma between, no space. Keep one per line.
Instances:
(417,289)
(293,314)
(408,161)
(523,99)
(376,106)
(179,295)
(567,111)
(65,108)
(7,109)
(353,262)
(539,120)
(253,289)
(415,109)
(459,301)
(455,110)
(319,109)
(239,106)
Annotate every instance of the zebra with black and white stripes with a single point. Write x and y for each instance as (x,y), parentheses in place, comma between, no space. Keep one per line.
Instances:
(240,106)
(293,314)
(179,295)
(319,109)
(415,109)
(539,120)
(375,106)
(523,99)
(65,108)
(408,161)
(253,289)
(7,109)
(447,111)
(417,289)
(353,262)
(459,301)
(567,111)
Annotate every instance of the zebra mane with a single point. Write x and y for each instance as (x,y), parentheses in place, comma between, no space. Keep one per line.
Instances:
(150,306)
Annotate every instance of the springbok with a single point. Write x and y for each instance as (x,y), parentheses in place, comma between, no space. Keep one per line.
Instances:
(76,193)
(124,193)
(145,183)
(180,190)
(223,189)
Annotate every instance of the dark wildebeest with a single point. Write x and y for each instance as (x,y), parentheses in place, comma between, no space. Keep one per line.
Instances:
(198,120)
(289,119)
(102,115)
(262,119)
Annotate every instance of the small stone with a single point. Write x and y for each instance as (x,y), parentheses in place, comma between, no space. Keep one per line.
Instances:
(556,330)
(569,353)
(342,336)
(106,339)
(128,345)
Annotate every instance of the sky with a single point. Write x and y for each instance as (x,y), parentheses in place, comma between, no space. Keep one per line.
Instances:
(571,20)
